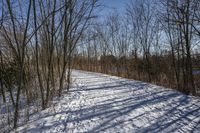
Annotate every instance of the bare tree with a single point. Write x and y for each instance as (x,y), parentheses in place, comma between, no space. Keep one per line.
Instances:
(20,53)
(77,15)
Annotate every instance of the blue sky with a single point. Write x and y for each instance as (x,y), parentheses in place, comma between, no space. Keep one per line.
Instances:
(111,5)
(118,4)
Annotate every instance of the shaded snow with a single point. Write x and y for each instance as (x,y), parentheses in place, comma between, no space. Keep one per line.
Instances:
(102,103)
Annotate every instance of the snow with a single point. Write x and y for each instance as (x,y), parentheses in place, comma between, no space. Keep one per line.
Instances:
(102,103)
(7,111)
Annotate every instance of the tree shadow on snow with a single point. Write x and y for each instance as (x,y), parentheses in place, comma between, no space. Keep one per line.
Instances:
(145,109)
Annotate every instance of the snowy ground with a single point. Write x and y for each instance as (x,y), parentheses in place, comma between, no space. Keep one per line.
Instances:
(102,103)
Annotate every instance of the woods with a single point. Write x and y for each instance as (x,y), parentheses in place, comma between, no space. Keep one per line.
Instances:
(41,41)
(154,41)
(37,41)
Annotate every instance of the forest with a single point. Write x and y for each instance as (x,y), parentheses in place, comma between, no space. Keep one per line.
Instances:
(154,41)
(43,41)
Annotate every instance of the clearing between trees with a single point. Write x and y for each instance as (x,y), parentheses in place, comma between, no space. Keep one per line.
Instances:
(102,103)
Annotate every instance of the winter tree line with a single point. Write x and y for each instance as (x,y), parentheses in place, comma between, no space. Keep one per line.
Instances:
(152,40)
(37,39)
(42,40)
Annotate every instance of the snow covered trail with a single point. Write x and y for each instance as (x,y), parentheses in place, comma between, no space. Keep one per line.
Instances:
(102,103)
